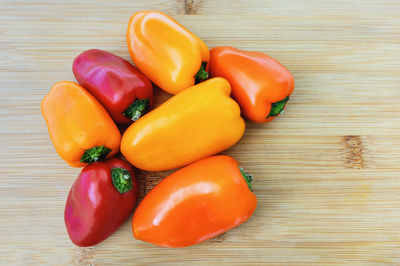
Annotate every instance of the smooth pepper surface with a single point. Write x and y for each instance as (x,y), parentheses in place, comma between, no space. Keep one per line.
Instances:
(260,84)
(125,92)
(100,200)
(166,52)
(198,122)
(195,203)
(80,128)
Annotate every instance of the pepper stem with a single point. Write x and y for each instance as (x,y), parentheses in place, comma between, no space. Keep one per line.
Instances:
(201,74)
(121,179)
(248,178)
(97,153)
(277,108)
(137,109)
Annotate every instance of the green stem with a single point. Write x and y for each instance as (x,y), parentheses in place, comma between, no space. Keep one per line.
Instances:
(248,178)
(137,109)
(277,108)
(201,74)
(121,179)
(97,153)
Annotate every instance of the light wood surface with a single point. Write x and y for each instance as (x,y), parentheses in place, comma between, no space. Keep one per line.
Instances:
(326,172)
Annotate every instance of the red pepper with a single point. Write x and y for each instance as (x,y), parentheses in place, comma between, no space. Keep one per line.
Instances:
(118,85)
(100,200)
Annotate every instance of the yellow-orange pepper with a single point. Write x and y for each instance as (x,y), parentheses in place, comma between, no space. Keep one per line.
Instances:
(167,53)
(198,122)
(80,128)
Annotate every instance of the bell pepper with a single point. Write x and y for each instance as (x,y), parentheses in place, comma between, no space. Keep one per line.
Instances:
(100,200)
(195,203)
(118,85)
(196,123)
(80,128)
(167,53)
(260,84)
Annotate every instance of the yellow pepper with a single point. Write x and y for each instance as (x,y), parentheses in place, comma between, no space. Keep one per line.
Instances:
(167,53)
(196,123)
(80,128)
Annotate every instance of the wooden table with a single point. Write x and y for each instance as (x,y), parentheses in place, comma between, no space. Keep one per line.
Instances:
(326,172)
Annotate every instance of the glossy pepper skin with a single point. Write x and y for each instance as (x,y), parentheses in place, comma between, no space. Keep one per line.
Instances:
(166,52)
(195,203)
(80,128)
(198,122)
(118,85)
(260,84)
(100,200)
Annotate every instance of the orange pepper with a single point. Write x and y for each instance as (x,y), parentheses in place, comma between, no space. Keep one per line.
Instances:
(198,122)
(260,84)
(195,203)
(167,53)
(80,128)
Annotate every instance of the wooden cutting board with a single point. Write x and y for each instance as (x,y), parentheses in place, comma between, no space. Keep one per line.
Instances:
(326,172)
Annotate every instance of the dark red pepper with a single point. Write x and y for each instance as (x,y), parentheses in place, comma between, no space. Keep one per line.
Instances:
(100,200)
(125,92)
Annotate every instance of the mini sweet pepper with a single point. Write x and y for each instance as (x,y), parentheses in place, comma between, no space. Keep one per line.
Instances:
(125,92)
(80,128)
(167,53)
(260,84)
(100,200)
(195,203)
(197,122)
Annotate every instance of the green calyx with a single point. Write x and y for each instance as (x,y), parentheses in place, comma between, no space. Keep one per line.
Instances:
(95,154)
(248,178)
(201,74)
(137,109)
(121,179)
(277,108)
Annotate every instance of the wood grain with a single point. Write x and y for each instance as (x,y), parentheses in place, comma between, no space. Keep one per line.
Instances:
(326,172)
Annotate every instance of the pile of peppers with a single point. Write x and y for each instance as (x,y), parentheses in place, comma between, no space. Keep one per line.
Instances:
(211,193)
